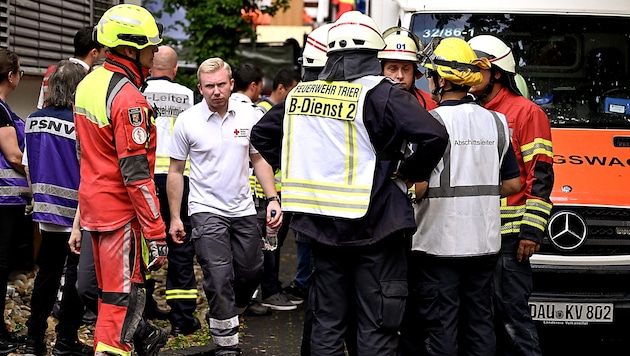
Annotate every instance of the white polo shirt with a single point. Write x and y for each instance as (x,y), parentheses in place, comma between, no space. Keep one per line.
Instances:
(219,150)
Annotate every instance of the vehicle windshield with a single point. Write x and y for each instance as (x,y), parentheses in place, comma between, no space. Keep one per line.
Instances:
(576,67)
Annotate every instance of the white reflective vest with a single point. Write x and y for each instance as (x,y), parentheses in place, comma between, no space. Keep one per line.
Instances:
(168,99)
(460,216)
(328,160)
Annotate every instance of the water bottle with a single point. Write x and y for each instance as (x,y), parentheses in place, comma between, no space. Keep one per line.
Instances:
(271,238)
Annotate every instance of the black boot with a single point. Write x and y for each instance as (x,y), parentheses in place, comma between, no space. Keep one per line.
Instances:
(151,309)
(149,339)
(35,346)
(71,347)
(9,341)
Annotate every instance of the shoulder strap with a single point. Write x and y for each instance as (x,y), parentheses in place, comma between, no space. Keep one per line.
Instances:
(501,134)
(8,113)
(116,83)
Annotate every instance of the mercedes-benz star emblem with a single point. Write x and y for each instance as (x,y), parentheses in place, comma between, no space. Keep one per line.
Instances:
(567,230)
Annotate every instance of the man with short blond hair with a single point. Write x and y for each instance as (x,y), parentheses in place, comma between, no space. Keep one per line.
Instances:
(215,135)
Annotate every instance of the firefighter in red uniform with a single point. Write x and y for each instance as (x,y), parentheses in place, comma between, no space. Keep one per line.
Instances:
(117,194)
(399,60)
(524,215)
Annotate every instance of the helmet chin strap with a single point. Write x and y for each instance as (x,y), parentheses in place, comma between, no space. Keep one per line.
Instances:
(136,61)
(488,89)
(436,84)
(143,81)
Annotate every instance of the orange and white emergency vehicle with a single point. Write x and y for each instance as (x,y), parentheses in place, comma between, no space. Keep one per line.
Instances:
(575,58)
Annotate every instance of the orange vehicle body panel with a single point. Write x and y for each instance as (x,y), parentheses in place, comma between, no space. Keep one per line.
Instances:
(589,169)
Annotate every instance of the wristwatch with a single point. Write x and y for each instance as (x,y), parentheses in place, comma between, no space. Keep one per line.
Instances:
(276,198)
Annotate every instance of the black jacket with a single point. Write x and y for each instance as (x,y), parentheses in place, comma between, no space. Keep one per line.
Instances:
(391,115)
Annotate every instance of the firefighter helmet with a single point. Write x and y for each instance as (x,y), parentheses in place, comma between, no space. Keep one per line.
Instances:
(500,56)
(454,60)
(128,25)
(315,49)
(399,46)
(354,31)
(495,50)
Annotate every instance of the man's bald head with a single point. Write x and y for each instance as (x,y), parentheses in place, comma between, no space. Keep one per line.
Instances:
(164,62)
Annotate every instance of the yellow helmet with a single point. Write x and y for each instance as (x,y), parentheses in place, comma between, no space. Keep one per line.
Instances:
(399,46)
(128,25)
(354,31)
(454,60)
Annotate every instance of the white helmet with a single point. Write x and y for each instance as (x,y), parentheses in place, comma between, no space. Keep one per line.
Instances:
(495,50)
(315,49)
(400,47)
(354,31)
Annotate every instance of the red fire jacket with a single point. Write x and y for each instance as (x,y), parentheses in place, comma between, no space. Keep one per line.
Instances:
(116,141)
(526,213)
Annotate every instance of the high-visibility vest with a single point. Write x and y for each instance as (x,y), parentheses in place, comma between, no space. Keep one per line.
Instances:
(328,160)
(53,165)
(265,104)
(168,99)
(256,188)
(460,216)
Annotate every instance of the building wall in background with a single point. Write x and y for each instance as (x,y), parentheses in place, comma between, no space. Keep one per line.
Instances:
(41,33)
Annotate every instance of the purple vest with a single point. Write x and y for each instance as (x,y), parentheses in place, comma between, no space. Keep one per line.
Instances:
(53,165)
(12,182)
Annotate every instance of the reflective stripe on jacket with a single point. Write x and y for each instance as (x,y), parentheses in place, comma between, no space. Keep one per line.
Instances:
(116,140)
(53,165)
(336,179)
(526,212)
(460,215)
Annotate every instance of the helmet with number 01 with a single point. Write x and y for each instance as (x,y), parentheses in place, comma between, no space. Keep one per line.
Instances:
(128,25)
(399,46)
(315,48)
(454,60)
(495,50)
(354,31)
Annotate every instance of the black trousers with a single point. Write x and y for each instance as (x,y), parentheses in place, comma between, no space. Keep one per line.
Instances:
(516,331)
(87,285)
(53,255)
(270,283)
(449,311)
(11,217)
(364,285)
(181,285)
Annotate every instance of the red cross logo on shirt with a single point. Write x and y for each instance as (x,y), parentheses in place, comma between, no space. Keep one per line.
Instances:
(236,132)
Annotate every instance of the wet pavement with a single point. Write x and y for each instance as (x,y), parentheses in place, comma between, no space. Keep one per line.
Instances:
(278,334)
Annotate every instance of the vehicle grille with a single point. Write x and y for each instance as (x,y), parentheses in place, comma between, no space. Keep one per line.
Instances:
(606,232)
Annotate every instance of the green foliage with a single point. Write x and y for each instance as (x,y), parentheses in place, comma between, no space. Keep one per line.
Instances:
(215,27)
(201,337)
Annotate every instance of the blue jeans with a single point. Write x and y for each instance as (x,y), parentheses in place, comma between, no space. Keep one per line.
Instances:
(303,271)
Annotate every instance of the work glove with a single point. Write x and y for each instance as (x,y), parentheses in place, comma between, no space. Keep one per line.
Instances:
(157,254)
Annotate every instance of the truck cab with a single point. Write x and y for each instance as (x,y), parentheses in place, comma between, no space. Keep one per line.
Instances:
(575,59)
